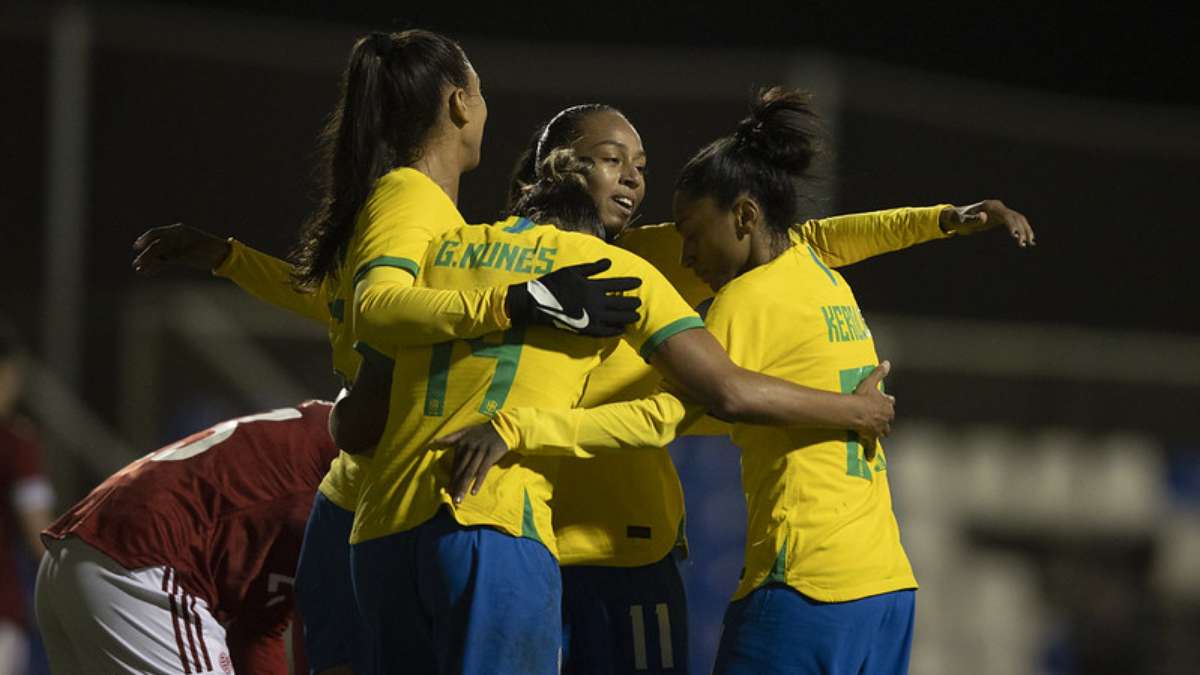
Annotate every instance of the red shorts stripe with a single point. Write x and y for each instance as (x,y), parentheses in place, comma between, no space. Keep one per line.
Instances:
(187,627)
(200,637)
(175,619)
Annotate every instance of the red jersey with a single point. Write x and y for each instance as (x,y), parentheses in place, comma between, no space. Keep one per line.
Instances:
(224,508)
(20,462)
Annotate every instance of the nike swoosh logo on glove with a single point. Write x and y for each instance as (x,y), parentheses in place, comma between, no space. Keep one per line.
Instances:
(548,304)
(573,323)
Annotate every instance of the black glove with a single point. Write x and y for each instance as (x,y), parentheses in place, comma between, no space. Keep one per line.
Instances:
(568,299)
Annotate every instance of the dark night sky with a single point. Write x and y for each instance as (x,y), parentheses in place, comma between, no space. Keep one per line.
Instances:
(1119,52)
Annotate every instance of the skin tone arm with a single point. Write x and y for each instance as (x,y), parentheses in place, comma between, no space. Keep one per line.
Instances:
(697,365)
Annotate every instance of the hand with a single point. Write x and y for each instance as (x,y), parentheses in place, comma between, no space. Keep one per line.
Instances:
(569,299)
(476,450)
(985,215)
(880,409)
(177,244)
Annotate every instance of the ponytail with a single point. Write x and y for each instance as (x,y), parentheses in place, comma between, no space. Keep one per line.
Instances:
(391,97)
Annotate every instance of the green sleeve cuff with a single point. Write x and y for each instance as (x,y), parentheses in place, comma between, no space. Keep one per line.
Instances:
(405,264)
(662,334)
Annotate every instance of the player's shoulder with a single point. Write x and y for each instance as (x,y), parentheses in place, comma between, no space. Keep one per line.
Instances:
(404,177)
(760,287)
(409,184)
(645,238)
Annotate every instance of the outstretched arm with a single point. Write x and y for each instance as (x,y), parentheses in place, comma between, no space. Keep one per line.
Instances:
(264,276)
(845,240)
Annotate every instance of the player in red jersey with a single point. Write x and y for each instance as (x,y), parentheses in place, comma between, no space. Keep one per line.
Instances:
(182,562)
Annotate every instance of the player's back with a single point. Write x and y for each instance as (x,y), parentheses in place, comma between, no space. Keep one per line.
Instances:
(819,515)
(216,506)
(453,384)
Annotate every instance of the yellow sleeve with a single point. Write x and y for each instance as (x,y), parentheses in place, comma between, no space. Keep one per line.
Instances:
(663,312)
(661,246)
(404,213)
(269,279)
(390,310)
(651,422)
(845,240)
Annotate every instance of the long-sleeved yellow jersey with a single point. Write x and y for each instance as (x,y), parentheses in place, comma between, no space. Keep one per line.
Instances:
(628,510)
(447,386)
(819,514)
(622,511)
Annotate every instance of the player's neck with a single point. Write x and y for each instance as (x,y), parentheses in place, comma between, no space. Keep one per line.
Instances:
(765,246)
(443,166)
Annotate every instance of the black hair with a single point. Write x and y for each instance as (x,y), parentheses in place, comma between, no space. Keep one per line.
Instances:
(559,195)
(561,131)
(769,153)
(391,96)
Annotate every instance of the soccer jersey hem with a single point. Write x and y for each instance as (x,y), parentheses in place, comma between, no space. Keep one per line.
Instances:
(821,594)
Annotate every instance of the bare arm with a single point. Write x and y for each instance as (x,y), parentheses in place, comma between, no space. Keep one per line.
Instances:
(653,422)
(697,364)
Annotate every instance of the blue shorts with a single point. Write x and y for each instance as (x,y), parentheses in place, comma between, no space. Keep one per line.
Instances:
(324,592)
(620,620)
(447,598)
(776,629)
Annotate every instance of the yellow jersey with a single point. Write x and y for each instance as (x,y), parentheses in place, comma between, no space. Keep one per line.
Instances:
(628,510)
(819,515)
(438,389)
(615,511)
(403,213)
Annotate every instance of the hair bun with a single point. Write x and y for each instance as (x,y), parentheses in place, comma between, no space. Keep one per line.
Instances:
(782,129)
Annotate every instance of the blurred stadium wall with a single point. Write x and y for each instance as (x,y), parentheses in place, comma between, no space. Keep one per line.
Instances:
(1045,468)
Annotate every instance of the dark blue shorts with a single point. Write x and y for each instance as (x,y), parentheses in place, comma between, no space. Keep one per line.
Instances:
(776,629)
(445,598)
(619,620)
(324,592)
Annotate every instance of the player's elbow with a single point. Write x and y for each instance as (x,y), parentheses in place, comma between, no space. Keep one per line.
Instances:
(729,400)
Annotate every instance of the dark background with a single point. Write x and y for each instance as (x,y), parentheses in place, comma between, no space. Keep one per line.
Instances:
(1085,118)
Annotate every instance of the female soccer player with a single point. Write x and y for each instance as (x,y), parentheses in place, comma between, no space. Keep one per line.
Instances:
(438,592)
(618,519)
(409,124)
(615,551)
(822,545)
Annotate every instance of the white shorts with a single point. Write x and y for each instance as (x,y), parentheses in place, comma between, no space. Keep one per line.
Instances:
(98,617)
